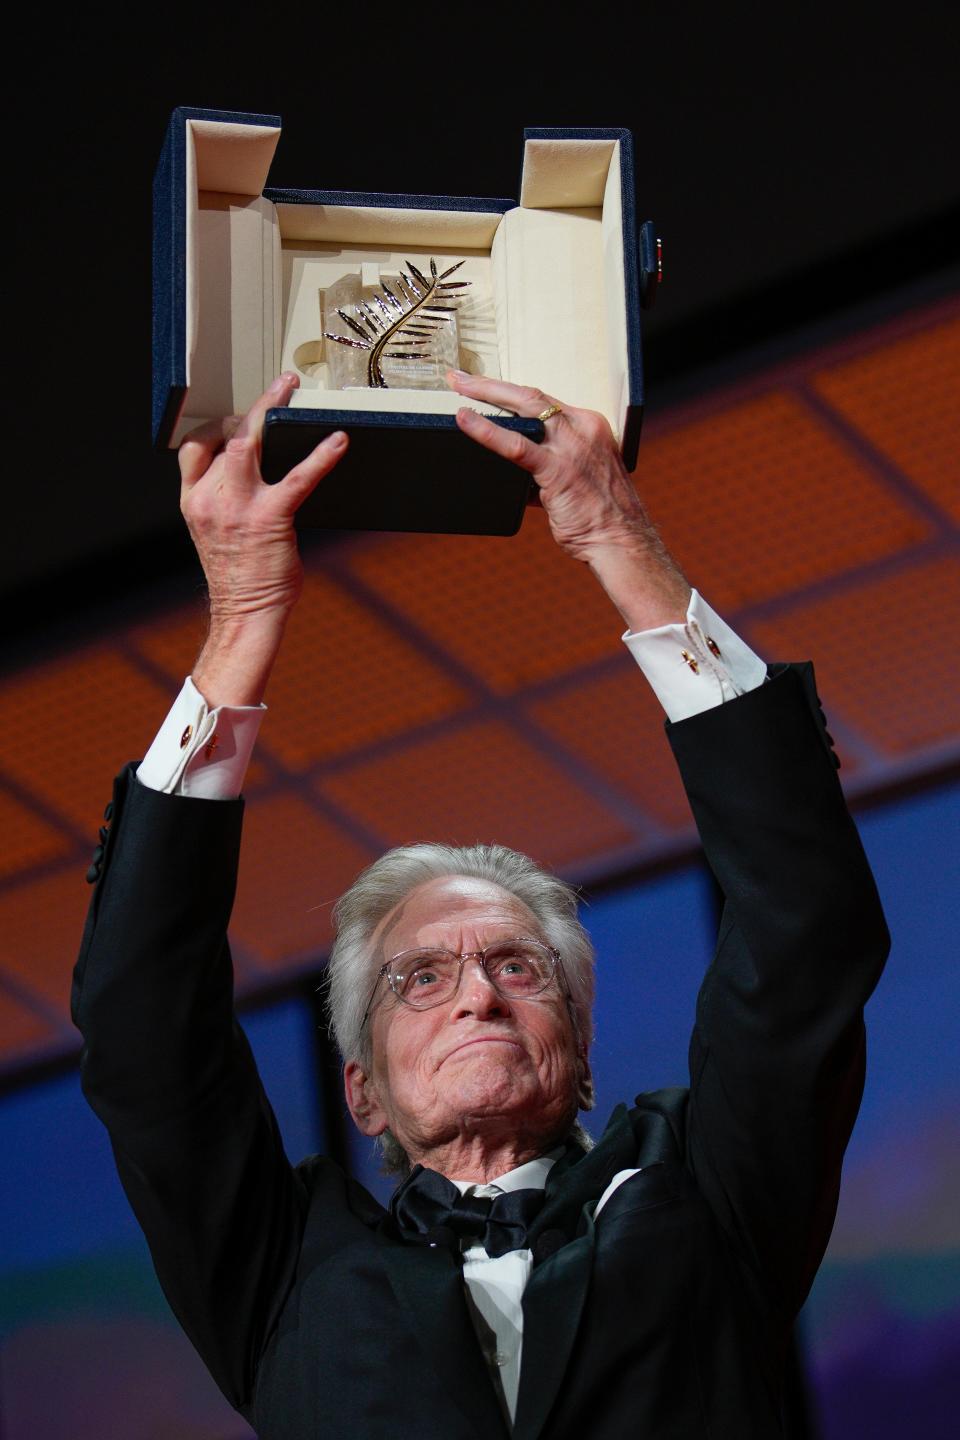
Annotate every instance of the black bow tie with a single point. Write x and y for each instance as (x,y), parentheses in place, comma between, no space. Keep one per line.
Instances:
(429,1209)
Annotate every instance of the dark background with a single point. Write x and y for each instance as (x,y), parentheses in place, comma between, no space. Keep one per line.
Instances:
(798,161)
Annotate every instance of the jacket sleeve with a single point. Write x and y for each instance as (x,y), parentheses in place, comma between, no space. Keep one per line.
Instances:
(778,1049)
(170,1073)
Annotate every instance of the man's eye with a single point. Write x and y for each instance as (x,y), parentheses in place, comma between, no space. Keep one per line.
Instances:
(513,965)
(424,977)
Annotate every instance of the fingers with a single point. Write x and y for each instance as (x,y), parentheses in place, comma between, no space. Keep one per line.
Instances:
(241,454)
(276,394)
(521,399)
(303,479)
(199,449)
(508,443)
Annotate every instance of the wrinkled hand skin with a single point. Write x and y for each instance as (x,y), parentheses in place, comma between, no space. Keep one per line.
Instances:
(243,531)
(590,501)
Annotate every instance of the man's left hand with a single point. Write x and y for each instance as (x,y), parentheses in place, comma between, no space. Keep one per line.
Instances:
(594,511)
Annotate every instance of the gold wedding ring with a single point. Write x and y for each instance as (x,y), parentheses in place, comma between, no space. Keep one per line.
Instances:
(550,410)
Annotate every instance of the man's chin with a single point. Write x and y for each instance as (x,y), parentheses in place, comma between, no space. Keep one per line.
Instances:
(490,1084)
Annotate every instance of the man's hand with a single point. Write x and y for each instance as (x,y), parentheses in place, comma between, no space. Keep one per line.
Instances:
(243,530)
(594,511)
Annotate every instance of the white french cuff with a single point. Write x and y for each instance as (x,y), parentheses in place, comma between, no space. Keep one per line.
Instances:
(199,751)
(697,665)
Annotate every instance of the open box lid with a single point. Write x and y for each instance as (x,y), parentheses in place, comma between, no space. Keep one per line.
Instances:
(570,169)
(226,151)
(566,173)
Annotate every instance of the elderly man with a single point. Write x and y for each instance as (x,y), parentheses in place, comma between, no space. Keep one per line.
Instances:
(523,1281)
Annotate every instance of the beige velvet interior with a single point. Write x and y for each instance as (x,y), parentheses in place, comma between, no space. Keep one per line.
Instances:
(545,307)
(565,174)
(221,160)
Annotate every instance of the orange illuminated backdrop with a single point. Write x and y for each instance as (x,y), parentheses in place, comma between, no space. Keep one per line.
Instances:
(465,689)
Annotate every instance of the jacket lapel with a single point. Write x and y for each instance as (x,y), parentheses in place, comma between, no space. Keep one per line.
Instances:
(552,1304)
(579,1177)
(428,1284)
(554,1298)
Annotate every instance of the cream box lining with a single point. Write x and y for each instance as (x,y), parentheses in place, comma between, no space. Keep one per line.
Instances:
(545,306)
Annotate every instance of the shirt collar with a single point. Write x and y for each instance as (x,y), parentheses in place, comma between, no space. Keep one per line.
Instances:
(530,1176)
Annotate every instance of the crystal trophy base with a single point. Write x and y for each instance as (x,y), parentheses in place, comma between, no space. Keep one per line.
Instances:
(396,331)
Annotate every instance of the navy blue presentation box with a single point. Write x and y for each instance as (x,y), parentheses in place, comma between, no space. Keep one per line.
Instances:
(239,275)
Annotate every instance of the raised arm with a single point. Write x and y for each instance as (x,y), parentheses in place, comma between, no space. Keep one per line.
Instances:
(244,534)
(164,1063)
(777,1056)
(778,1051)
(691,658)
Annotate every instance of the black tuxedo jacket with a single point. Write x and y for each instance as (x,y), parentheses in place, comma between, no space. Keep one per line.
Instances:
(668,1317)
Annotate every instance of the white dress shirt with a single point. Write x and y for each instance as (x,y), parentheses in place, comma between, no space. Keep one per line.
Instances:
(691,667)
(205,752)
(496,1283)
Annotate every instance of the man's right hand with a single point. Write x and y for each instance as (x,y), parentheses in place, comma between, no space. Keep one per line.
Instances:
(244,534)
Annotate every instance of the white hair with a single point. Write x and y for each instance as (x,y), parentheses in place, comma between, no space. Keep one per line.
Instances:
(352,971)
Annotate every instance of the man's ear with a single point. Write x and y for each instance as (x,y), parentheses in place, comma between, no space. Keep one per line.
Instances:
(585,1096)
(586,1099)
(363,1100)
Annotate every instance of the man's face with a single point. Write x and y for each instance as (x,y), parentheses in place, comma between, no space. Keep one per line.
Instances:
(479,1063)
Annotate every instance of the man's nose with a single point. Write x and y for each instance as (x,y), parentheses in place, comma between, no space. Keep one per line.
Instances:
(477,994)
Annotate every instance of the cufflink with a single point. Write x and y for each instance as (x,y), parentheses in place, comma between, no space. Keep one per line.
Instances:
(713,647)
(688,658)
(185,737)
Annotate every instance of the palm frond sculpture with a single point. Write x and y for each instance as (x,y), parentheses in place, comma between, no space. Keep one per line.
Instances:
(405,318)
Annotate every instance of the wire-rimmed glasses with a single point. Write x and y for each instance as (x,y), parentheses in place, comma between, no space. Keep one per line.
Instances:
(518,968)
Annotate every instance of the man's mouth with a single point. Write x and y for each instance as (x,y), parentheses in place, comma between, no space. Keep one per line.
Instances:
(485,1040)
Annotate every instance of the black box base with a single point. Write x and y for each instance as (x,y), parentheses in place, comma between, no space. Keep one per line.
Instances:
(402,472)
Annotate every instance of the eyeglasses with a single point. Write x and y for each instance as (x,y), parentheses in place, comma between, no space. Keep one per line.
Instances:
(518,969)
